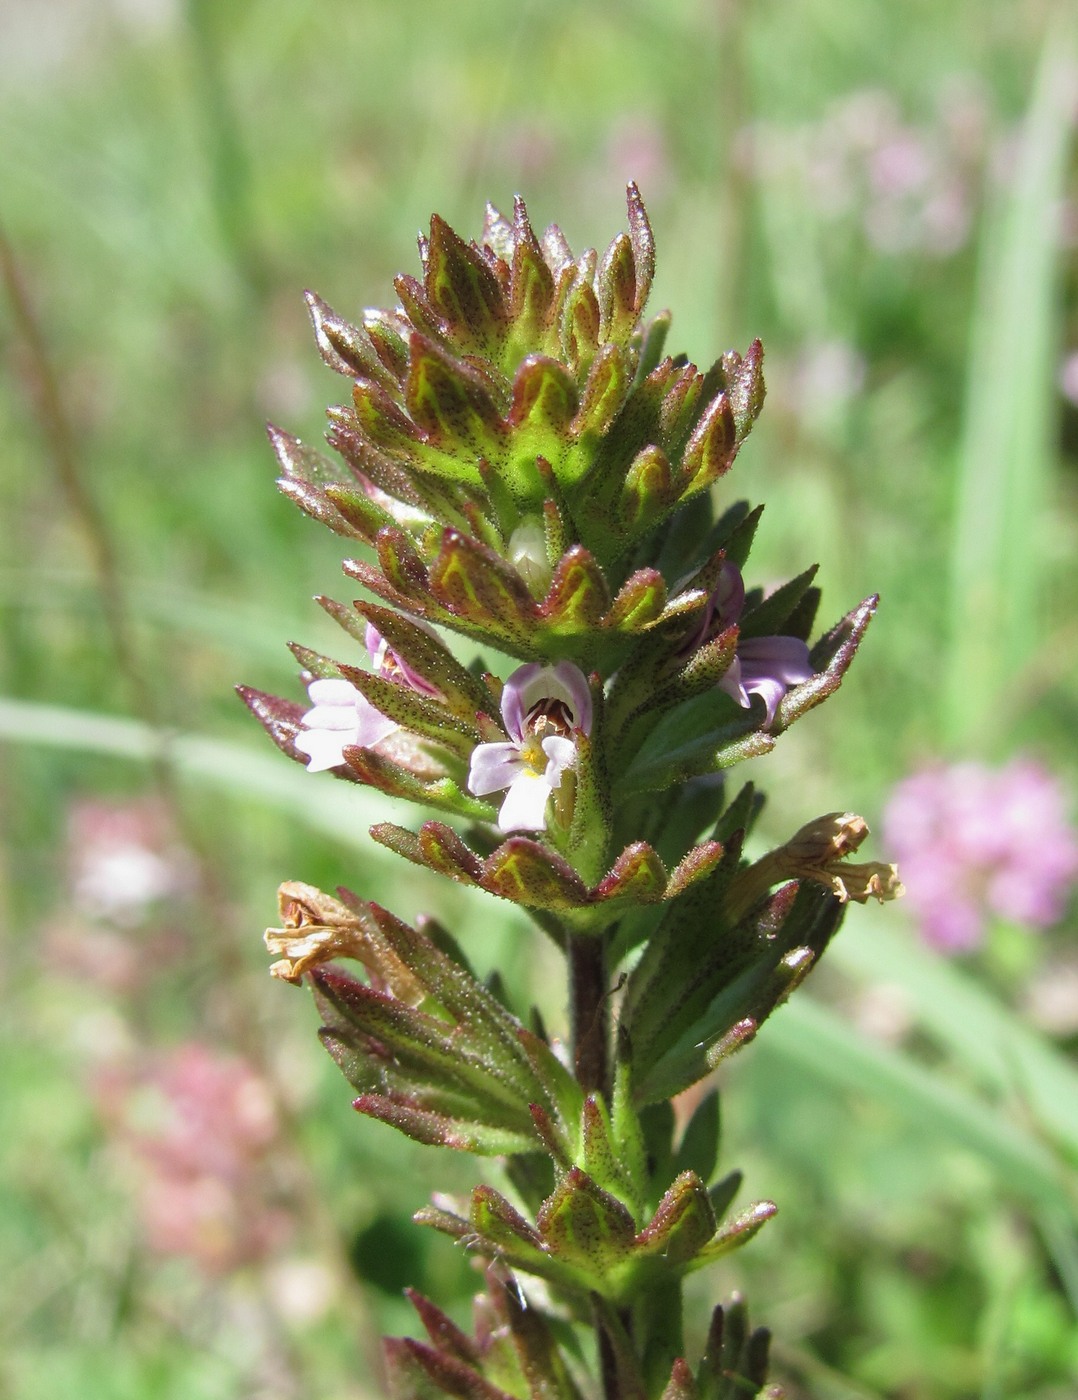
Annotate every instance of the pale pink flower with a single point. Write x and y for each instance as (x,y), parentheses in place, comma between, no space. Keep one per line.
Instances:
(342,718)
(976,842)
(764,666)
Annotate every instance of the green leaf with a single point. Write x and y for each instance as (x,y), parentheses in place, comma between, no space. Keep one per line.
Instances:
(769,616)
(699,1148)
(586,1227)
(639,603)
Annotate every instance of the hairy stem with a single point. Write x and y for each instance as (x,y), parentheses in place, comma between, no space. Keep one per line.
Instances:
(589,1012)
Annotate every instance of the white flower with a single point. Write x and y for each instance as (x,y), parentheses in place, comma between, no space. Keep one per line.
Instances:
(542,707)
(341,718)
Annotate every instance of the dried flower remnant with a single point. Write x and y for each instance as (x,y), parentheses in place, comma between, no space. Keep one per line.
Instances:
(819,852)
(542,708)
(977,843)
(317,929)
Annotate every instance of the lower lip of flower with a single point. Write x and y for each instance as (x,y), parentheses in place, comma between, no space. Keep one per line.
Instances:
(532,755)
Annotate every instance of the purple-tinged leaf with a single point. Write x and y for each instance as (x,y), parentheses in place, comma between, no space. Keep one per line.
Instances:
(383,423)
(699,862)
(617,290)
(474,583)
(735,1233)
(643,242)
(451,406)
(279,718)
(681,1385)
(710,448)
(604,394)
(647,491)
(586,1226)
(745,386)
(344,347)
(832,655)
(400,563)
(682,1225)
(378,771)
(442,1331)
(637,876)
(544,397)
(418,1372)
(444,851)
(462,290)
(532,284)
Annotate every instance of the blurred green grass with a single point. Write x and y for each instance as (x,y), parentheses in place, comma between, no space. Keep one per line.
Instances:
(171,177)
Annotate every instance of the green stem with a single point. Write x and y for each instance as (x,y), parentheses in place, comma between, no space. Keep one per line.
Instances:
(658,1331)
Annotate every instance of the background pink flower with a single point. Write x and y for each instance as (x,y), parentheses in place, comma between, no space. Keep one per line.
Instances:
(197,1128)
(975,842)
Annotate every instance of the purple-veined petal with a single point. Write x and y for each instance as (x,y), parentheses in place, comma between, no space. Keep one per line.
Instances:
(729,596)
(533,683)
(391,664)
(514,708)
(772,692)
(731,684)
(493,767)
(341,716)
(572,687)
(783,659)
(770,666)
(524,808)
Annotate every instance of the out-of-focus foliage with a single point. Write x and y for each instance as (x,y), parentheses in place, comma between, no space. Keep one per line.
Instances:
(887,197)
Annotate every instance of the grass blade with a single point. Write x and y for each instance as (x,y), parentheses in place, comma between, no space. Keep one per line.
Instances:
(1006,453)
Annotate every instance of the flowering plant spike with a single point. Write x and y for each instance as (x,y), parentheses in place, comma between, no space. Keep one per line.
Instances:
(520,464)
